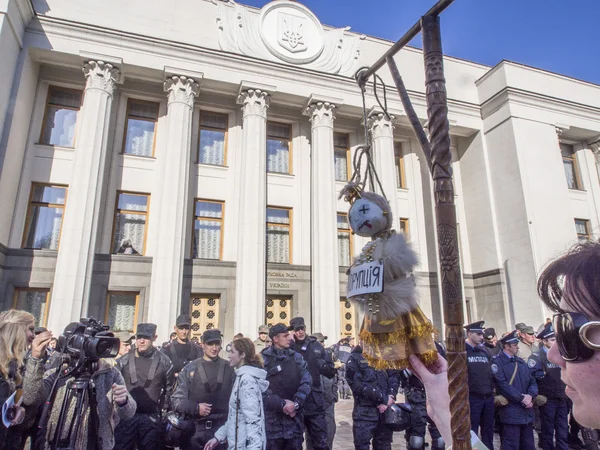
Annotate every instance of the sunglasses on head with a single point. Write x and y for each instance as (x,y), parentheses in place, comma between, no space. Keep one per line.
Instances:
(572,338)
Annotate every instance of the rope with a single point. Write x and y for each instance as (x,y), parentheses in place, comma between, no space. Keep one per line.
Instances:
(364,151)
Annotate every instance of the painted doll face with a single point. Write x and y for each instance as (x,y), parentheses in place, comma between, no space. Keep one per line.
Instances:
(366,218)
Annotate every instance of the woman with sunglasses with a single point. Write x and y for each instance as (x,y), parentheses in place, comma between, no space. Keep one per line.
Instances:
(570,286)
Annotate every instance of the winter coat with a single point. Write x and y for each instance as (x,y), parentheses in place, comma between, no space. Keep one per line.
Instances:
(246,418)
(37,386)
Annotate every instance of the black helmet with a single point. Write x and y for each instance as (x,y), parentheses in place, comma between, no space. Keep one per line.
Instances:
(178,430)
(397,416)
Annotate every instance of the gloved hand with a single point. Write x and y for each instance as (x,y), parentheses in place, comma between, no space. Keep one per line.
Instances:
(372,394)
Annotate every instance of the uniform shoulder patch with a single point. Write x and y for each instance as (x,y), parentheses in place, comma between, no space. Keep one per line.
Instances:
(531,363)
(494,368)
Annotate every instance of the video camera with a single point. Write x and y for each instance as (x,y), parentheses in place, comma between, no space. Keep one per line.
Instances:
(88,341)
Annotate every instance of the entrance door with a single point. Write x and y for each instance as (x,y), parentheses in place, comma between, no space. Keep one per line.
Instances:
(347,318)
(279,310)
(204,313)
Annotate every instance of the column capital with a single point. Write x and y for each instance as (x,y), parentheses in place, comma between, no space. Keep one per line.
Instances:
(381,125)
(255,102)
(101,75)
(181,89)
(321,114)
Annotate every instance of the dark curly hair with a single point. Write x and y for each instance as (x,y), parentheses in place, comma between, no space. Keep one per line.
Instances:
(574,278)
(246,346)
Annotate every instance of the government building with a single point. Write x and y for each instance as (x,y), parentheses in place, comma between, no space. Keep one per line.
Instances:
(159,158)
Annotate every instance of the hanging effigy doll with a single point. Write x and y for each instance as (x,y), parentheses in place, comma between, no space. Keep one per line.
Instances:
(382,285)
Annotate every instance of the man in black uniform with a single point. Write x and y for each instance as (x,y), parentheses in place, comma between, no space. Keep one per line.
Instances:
(289,387)
(148,376)
(414,393)
(554,415)
(481,388)
(319,363)
(203,389)
(491,342)
(181,350)
(373,391)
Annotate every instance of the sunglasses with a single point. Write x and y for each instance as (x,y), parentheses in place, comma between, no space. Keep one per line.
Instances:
(572,338)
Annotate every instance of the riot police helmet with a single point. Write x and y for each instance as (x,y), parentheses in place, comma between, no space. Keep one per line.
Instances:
(397,416)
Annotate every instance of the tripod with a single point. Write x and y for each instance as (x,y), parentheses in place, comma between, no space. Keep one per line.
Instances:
(75,428)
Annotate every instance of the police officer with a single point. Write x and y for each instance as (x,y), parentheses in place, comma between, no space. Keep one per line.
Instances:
(373,391)
(481,388)
(319,363)
(181,350)
(148,376)
(554,414)
(330,395)
(526,336)
(414,393)
(515,383)
(341,352)
(289,387)
(203,389)
(263,340)
(491,341)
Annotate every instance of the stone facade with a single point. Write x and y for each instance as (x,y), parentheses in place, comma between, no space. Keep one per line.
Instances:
(518,206)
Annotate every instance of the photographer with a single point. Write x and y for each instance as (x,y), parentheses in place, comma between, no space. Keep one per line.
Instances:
(113,402)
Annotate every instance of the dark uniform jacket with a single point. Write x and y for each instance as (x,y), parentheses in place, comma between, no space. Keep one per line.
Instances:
(493,350)
(149,379)
(181,354)
(547,375)
(503,368)
(289,379)
(370,387)
(318,363)
(479,366)
(204,381)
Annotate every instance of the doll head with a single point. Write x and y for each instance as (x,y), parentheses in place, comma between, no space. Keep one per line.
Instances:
(370,215)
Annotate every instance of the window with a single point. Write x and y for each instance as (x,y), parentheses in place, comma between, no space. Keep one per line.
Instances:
(404,227)
(60,117)
(344,240)
(44,217)
(570,166)
(399,158)
(140,128)
(278,235)
(341,150)
(131,218)
(213,138)
(121,311)
(279,310)
(347,317)
(583,230)
(204,312)
(34,301)
(208,230)
(278,147)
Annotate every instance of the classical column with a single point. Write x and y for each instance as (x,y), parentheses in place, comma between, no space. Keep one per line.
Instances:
(595,146)
(325,284)
(79,234)
(173,201)
(382,133)
(250,270)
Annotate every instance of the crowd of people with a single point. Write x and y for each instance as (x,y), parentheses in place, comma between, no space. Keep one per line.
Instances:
(280,391)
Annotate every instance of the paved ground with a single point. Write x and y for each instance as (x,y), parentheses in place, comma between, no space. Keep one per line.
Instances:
(343,436)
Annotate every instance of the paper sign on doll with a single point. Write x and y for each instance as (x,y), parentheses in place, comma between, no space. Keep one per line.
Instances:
(366,279)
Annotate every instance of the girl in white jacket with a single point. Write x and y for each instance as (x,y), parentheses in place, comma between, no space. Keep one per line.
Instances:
(245,426)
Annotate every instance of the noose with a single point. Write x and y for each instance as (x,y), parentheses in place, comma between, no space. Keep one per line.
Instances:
(362,155)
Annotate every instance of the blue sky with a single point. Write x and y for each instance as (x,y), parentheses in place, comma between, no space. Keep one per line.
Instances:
(560,36)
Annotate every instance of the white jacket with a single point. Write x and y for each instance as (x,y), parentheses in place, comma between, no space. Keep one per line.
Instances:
(246,404)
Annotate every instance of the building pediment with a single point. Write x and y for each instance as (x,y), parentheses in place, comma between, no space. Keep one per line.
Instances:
(286,31)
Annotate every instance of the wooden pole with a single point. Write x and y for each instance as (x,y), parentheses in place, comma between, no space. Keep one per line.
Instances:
(445,212)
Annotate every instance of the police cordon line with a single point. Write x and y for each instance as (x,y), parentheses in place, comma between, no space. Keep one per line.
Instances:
(98,389)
